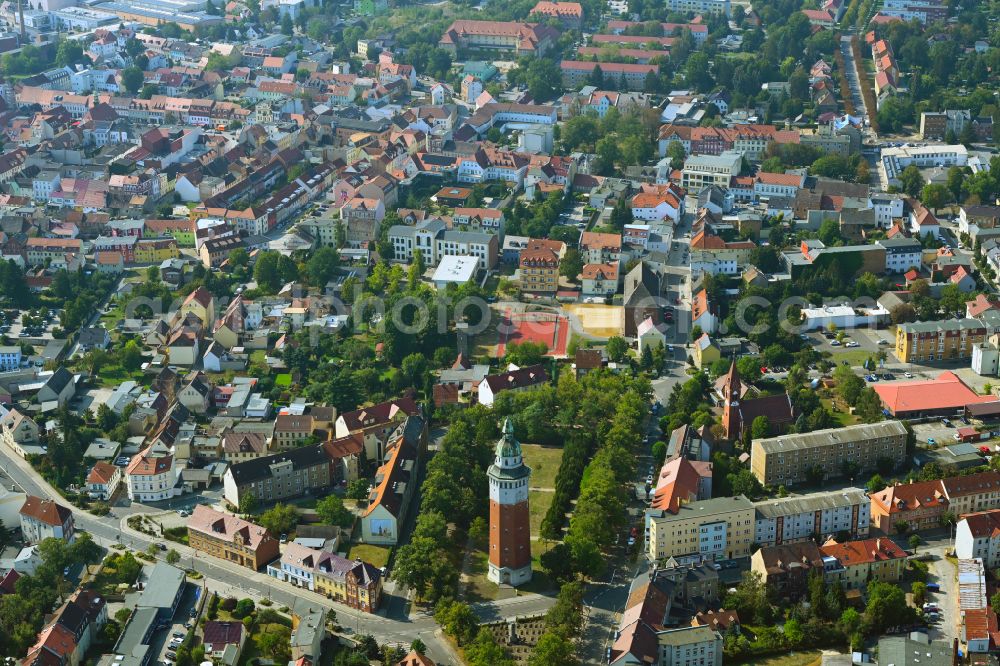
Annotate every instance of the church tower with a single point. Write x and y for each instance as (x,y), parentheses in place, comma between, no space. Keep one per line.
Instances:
(731,389)
(510,534)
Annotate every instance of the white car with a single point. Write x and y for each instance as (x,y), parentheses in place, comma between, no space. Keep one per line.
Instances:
(908,375)
(852,343)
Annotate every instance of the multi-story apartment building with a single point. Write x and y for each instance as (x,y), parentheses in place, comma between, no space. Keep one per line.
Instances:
(901,254)
(721,7)
(352,582)
(977,535)
(785,460)
(949,339)
(44,519)
(792,519)
(600,248)
(362,218)
(230,538)
(490,220)
(936,125)
(539,265)
(10,358)
(703,170)
(435,241)
(151,477)
(922,505)
(280,476)
(291,430)
(528,39)
(854,564)
(38,250)
(632,76)
(785,569)
(720,529)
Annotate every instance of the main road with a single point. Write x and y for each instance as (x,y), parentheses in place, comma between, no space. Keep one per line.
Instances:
(394,623)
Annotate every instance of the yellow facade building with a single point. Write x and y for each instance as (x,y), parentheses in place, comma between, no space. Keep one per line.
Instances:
(720,528)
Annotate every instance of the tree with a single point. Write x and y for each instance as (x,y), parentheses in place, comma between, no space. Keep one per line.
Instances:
(901,527)
(244,607)
(553,649)
(760,427)
(248,504)
(525,353)
(914,542)
(875,483)
(418,646)
(322,266)
(571,265)
(132,79)
(659,453)
(280,519)
(287,28)
(676,153)
(70,52)
(934,195)
(456,619)
(911,180)
(130,356)
(173,557)
(331,510)
(697,72)
(617,349)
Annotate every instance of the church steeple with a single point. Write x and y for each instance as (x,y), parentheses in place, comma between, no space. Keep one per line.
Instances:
(733,386)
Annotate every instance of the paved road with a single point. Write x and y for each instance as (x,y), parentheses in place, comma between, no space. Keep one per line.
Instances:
(393,624)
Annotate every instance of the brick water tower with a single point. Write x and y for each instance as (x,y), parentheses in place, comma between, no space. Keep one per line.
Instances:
(510,532)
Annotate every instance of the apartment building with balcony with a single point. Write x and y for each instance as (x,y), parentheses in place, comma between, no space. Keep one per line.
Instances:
(786,459)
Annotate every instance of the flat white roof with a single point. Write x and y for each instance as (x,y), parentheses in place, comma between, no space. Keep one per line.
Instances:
(456,268)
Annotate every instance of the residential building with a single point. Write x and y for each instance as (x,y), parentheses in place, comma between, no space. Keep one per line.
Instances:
(977,535)
(600,248)
(569,14)
(20,433)
(308,635)
(922,505)
(44,519)
(916,649)
(785,569)
(230,538)
(280,476)
(632,76)
(901,253)
(58,388)
(854,564)
(103,480)
(720,529)
(599,279)
(721,7)
(291,430)
(856,449)
(376,423)
(823,515)
(239,447)
(939,340)
(352,582)
(395,484)
(150,476)
(521,379)
(935,126)
(223,640)
(539,265)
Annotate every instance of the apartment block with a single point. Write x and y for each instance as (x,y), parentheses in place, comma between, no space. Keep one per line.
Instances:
(719,529)
(923,504)
(792,519)
(949,339)
(854,564)
(539,265)
(230,538)
(977,535)
(784,460)
(280,476)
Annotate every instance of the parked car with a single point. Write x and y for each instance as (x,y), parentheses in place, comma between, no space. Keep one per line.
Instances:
(908,375)
(933,587)
(931,441)
(946,422)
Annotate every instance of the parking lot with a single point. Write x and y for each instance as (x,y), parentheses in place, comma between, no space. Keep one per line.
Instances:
(937,433)
(167,640)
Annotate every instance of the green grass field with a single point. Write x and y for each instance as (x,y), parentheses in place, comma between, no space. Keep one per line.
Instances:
(544,463)
(376,556)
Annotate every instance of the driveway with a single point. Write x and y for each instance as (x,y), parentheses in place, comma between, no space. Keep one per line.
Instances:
(943,572)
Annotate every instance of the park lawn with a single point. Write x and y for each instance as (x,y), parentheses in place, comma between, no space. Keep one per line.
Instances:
(539,502)
(544,463)
(854,357)
(113,375)
(840,416)
(377,556)
(477,586)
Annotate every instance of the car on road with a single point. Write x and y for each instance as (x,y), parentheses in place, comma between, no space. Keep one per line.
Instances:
(931,441)
(908,375)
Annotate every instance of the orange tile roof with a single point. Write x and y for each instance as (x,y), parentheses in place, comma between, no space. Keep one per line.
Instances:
(102,473)
(863,552)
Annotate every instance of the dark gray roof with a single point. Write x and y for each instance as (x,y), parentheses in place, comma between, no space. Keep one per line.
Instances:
(59,379)
(260,468)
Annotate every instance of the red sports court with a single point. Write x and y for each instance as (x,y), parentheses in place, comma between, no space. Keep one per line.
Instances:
(546,327)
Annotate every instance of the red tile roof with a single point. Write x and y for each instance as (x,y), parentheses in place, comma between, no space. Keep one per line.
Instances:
(45,511)
(861,552)
(946,391)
